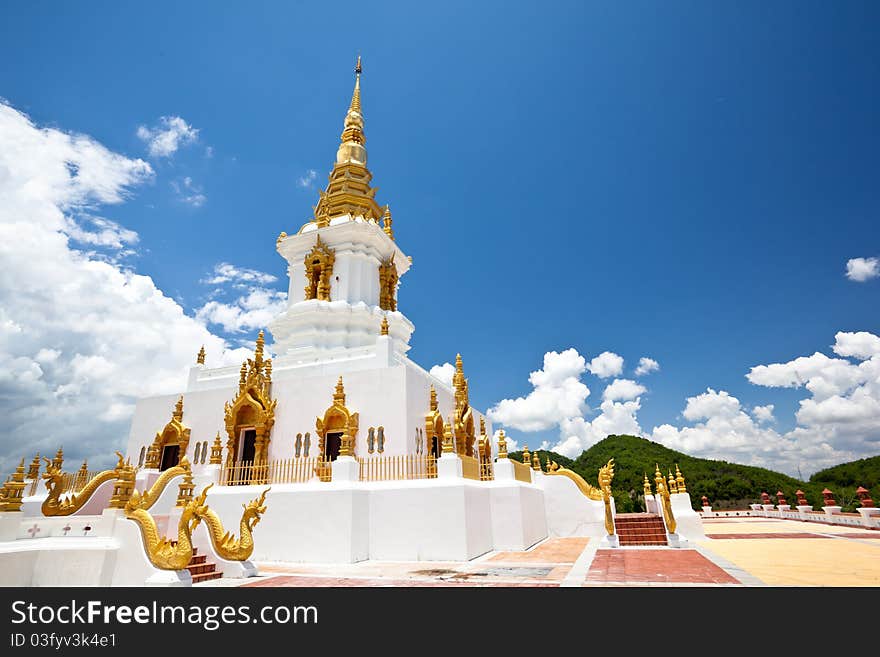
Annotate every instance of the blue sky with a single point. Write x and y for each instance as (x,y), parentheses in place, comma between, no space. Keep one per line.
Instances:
(683,181)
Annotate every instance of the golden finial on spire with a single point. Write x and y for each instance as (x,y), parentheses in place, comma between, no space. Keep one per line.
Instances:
(59,459)
(242,378)
(216,451)
(671,487)
(178,410)
(383,328)
(536,461)
(34,469)
(200,359)
(526,455)
(339,395)
(356,95)
(258,352)
(646,485)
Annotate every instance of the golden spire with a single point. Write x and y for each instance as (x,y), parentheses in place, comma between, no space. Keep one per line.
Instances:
(386,223)
(448,446)
(460,383)
(339,395)
(482,426)
(216,451)
(672,486)
(242,379)
(383,328)
(200,359)
(536,461)
(433,403)
(502,444)
(526,456)
(258,352)
(34,469)
(679,480)
(178,410)
(646,485)
(59,458)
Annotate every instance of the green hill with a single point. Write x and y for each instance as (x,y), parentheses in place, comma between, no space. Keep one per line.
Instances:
(727,485)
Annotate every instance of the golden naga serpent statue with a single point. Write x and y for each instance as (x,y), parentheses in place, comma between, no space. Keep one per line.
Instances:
(148,498)
(588,491)
(55,505)
(606,474)
(163,553)
(225,544)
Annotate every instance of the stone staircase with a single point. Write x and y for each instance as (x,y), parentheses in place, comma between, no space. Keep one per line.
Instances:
(640,529)
(201,569)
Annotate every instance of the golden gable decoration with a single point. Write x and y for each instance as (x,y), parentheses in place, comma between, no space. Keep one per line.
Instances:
(254,407)
(337,419)
(174,433)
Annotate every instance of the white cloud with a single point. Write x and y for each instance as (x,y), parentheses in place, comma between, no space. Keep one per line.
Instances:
(646,366)
(606,364)
(578,433)
(623,390)
(228,273)
(862,269)
(188,192)
(308,180)
(250,311)
(80,337)
(164,139)
(764,413)
(443,373)
(557,394)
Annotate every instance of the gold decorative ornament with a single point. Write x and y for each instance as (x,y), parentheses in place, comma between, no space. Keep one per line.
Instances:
(216,451)
(588,491)
(123,487)
(185,488)
(163,553)
(388,285)
(554,466)
(253,408)
(502,445)
(200,358)
(448,446)
(663,494)
(434,425)
(526,456)
(606,474)
(174,433)
(536,462)
(226,545)
(13,491)
(281,236)
(59,459)
(673,489)
(383,327)
(679,480)
(386,223)
(484,444)
(34,468)
(338,419)
(55,505)
(463,426)
(646,485)
(319,269)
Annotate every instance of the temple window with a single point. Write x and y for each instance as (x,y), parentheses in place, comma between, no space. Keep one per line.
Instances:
(307,441)
(371,440)
(380,439)
(319,269)
(297,445)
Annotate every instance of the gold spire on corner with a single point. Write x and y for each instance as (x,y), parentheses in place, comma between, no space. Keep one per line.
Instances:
(647,485)
(383,327)
(673,488)
(526,455)
(177,414)
(200,358)
(386,223)
(536,461)
(464,417)
(348,191)
(679,480)
(502,444)
(448,447)
(216,451)
(13,490)
(339,393)
(34,469)
(58,461)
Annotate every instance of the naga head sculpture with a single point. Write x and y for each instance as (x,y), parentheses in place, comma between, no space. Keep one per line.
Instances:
(254,510)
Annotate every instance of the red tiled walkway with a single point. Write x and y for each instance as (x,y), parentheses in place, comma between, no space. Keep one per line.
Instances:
(766,535)
(306,581)
(628,566)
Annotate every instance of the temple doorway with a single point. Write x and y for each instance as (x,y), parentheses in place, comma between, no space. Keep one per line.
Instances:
(170,455)
(334,442)
(248,445)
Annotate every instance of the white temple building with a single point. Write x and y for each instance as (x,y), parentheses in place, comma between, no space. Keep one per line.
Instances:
(365,455)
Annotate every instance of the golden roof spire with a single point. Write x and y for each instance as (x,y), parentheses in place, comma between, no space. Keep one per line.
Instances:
(355,105)
(433,403)
(178,410)
(200,359)
(386,223)
(339,395)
